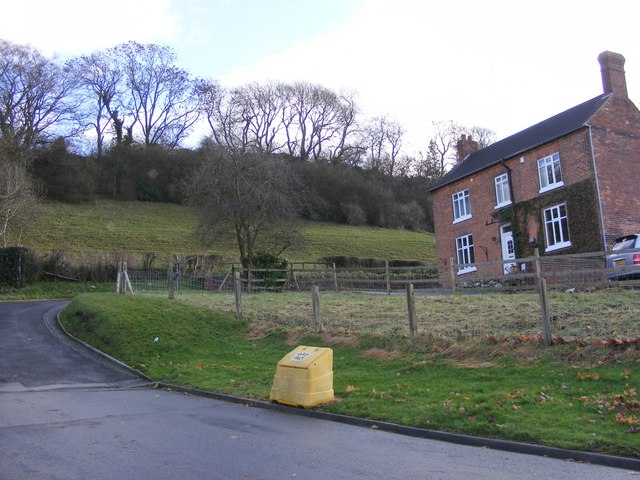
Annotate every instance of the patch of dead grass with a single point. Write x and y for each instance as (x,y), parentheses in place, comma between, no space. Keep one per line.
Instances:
(379,354)
(259,330)
(337,339)
(471,363)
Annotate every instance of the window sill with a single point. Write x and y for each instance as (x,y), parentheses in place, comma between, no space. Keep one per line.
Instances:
(558,246)
(551,187)
(462,219)
(464,270)
(502,205)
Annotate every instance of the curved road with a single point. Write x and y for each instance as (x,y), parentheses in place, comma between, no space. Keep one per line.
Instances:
(67,414)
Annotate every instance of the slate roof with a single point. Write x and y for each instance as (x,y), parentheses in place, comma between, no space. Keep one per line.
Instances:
(518,143)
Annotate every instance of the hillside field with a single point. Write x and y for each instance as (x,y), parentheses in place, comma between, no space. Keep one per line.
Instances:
(142,227)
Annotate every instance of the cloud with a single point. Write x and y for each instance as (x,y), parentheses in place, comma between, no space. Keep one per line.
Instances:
(495,64)
(73,27)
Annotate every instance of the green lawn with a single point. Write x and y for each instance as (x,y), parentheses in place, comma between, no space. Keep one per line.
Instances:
(574,396)
(141,227)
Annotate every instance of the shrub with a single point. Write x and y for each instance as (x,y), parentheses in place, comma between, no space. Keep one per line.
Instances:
(19,266)
(272,269)
(354,214)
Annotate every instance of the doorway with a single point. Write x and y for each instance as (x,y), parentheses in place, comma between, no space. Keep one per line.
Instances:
(508,248)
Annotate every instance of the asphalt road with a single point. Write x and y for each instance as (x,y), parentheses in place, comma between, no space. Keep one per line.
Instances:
(67,414)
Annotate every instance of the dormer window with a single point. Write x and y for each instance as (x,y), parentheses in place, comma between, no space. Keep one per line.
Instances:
(503,196)
(550,173)
(461,206)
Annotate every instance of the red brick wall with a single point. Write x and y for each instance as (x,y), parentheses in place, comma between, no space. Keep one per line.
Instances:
(576,164)
(616,140)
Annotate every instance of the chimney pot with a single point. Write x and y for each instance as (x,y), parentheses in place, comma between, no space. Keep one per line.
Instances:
(613,76)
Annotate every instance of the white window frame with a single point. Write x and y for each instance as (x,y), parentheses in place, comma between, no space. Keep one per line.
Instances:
(501,183)
(550,173)
(461,205)
(465,254)
(553,219)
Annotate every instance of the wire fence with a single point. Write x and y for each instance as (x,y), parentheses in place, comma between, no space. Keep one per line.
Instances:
(566,297)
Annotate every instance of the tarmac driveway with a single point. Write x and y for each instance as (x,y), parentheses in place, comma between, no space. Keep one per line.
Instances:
(36,355)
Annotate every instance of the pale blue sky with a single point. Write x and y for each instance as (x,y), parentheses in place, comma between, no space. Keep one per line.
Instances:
(500,64)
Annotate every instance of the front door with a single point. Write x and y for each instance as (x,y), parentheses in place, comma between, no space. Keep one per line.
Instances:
(508,248)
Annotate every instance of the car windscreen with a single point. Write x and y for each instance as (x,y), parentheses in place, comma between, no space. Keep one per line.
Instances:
(625,243)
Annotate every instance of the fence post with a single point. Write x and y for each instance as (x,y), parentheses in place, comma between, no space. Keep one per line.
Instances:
(119,278)
(387,277)
(547,338)
(237,283)
(452,273)
(123,282)
(170,281)
(315,302)
(544,314)
(411,309)
(335,277)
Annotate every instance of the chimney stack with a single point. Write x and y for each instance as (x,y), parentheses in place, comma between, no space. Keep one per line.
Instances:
(465,147)
(613,77)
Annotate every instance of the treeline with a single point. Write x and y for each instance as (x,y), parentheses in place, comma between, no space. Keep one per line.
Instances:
(114,123)
(337,193)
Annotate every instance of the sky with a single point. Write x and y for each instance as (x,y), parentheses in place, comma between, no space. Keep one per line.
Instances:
(498,64)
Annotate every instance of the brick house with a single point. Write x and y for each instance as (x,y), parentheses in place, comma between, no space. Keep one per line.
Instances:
(568,184)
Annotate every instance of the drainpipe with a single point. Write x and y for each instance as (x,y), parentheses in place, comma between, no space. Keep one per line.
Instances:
(595,172)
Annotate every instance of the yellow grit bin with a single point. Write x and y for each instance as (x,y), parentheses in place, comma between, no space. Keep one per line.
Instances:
(304,377)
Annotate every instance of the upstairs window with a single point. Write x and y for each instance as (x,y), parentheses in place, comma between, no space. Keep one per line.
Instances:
(550,173)
(461,206)
(465,254)
(556,226)
(503,195)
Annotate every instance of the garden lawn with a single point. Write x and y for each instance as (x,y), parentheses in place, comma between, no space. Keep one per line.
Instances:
(575,396)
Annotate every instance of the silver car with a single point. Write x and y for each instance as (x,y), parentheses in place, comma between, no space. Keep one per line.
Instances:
(623,264)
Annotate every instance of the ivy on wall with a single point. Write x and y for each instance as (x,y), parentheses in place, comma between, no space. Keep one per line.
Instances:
(582,211)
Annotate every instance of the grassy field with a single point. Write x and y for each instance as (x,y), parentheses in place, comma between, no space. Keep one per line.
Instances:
(572,396)
(602,314)
(141,227)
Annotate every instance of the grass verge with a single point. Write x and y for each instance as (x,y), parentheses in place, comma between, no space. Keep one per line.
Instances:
(52,290)
(580,397)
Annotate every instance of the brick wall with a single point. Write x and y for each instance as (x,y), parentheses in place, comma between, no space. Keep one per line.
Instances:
(616,140)
(576,165)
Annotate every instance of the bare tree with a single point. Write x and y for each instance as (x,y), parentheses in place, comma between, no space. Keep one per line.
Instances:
(442,146)
(162,96)
(246,118)
(34,94)
(383,140)
(100,81)
(314,118)
(250,196)
(301,119)
(484,136)
(18,199)
(343,151)
(261,111)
